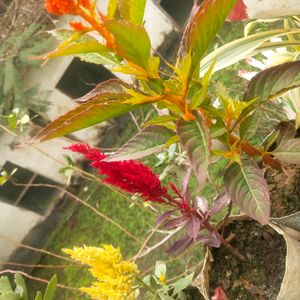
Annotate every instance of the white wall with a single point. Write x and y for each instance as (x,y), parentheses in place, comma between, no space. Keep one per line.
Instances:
(15,223)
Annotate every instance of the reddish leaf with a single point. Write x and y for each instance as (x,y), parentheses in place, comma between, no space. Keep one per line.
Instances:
(193,227)
(164,217)
(274,81)
(247,187)
(214,240)
(177,222)
(219,203)
(195,141)
(204,26)
(180,245)
(85,115)
(108,87)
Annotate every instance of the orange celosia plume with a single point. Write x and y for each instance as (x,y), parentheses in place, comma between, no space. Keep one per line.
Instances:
(63,7)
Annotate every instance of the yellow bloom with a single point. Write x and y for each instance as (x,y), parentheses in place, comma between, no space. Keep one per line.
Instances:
(115,276)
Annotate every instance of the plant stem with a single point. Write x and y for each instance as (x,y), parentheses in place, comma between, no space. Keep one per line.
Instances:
(253,151)
(234,251)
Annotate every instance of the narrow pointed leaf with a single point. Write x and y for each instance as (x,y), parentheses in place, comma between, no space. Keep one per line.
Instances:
(177,222)
(83,46)
(51,288)
(247,187)
(193,227)
(288,151)
(180,245)
(87,114)
(195,141)
(239,49)
(109,87)
(39,296)
(92,52)
(21,288)
(204,26)
(274,81)
(132,41)
(149,141)
(164,217)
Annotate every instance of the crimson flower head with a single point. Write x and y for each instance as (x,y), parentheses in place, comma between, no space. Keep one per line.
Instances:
(128,175)
(64,7)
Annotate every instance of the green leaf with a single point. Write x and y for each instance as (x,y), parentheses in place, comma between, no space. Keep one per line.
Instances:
(195,141)
(273,82)
(247,187)
(9,77)
(288,151)
(182,283)
(39,296)
(204,26)
(239,49)
(166,121)
(149,141)
(21,288)
(51,288)
(133,10)
(87,114)
(10,296)
(112,9)
(132,41)
(247,125)
(199,96)
(90,51)
(83,46)
(5,285)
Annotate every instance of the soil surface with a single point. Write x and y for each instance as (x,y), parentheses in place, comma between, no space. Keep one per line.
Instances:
(284,191)
(260,276)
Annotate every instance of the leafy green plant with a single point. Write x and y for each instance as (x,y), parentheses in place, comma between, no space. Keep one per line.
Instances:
(7,292)
(16,58)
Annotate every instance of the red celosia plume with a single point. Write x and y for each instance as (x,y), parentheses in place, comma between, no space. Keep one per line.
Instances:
(129,175)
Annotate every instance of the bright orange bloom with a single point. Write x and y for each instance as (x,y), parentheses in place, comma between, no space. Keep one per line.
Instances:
(64,7)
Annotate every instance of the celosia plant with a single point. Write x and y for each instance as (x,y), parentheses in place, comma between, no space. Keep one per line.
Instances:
(115,276)
(135,177)
(207,127)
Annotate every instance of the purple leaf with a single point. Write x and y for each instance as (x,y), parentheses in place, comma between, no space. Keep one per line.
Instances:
(202,204)
(214,240)
(163,217)
(180,245)
(177,222)
(185,185)
(193,227)
(219,203)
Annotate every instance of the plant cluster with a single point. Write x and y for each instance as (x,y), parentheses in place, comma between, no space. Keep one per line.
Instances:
(20,291)
(207,127)
(16,58)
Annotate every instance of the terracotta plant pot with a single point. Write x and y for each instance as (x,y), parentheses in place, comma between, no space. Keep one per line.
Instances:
(271,269)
